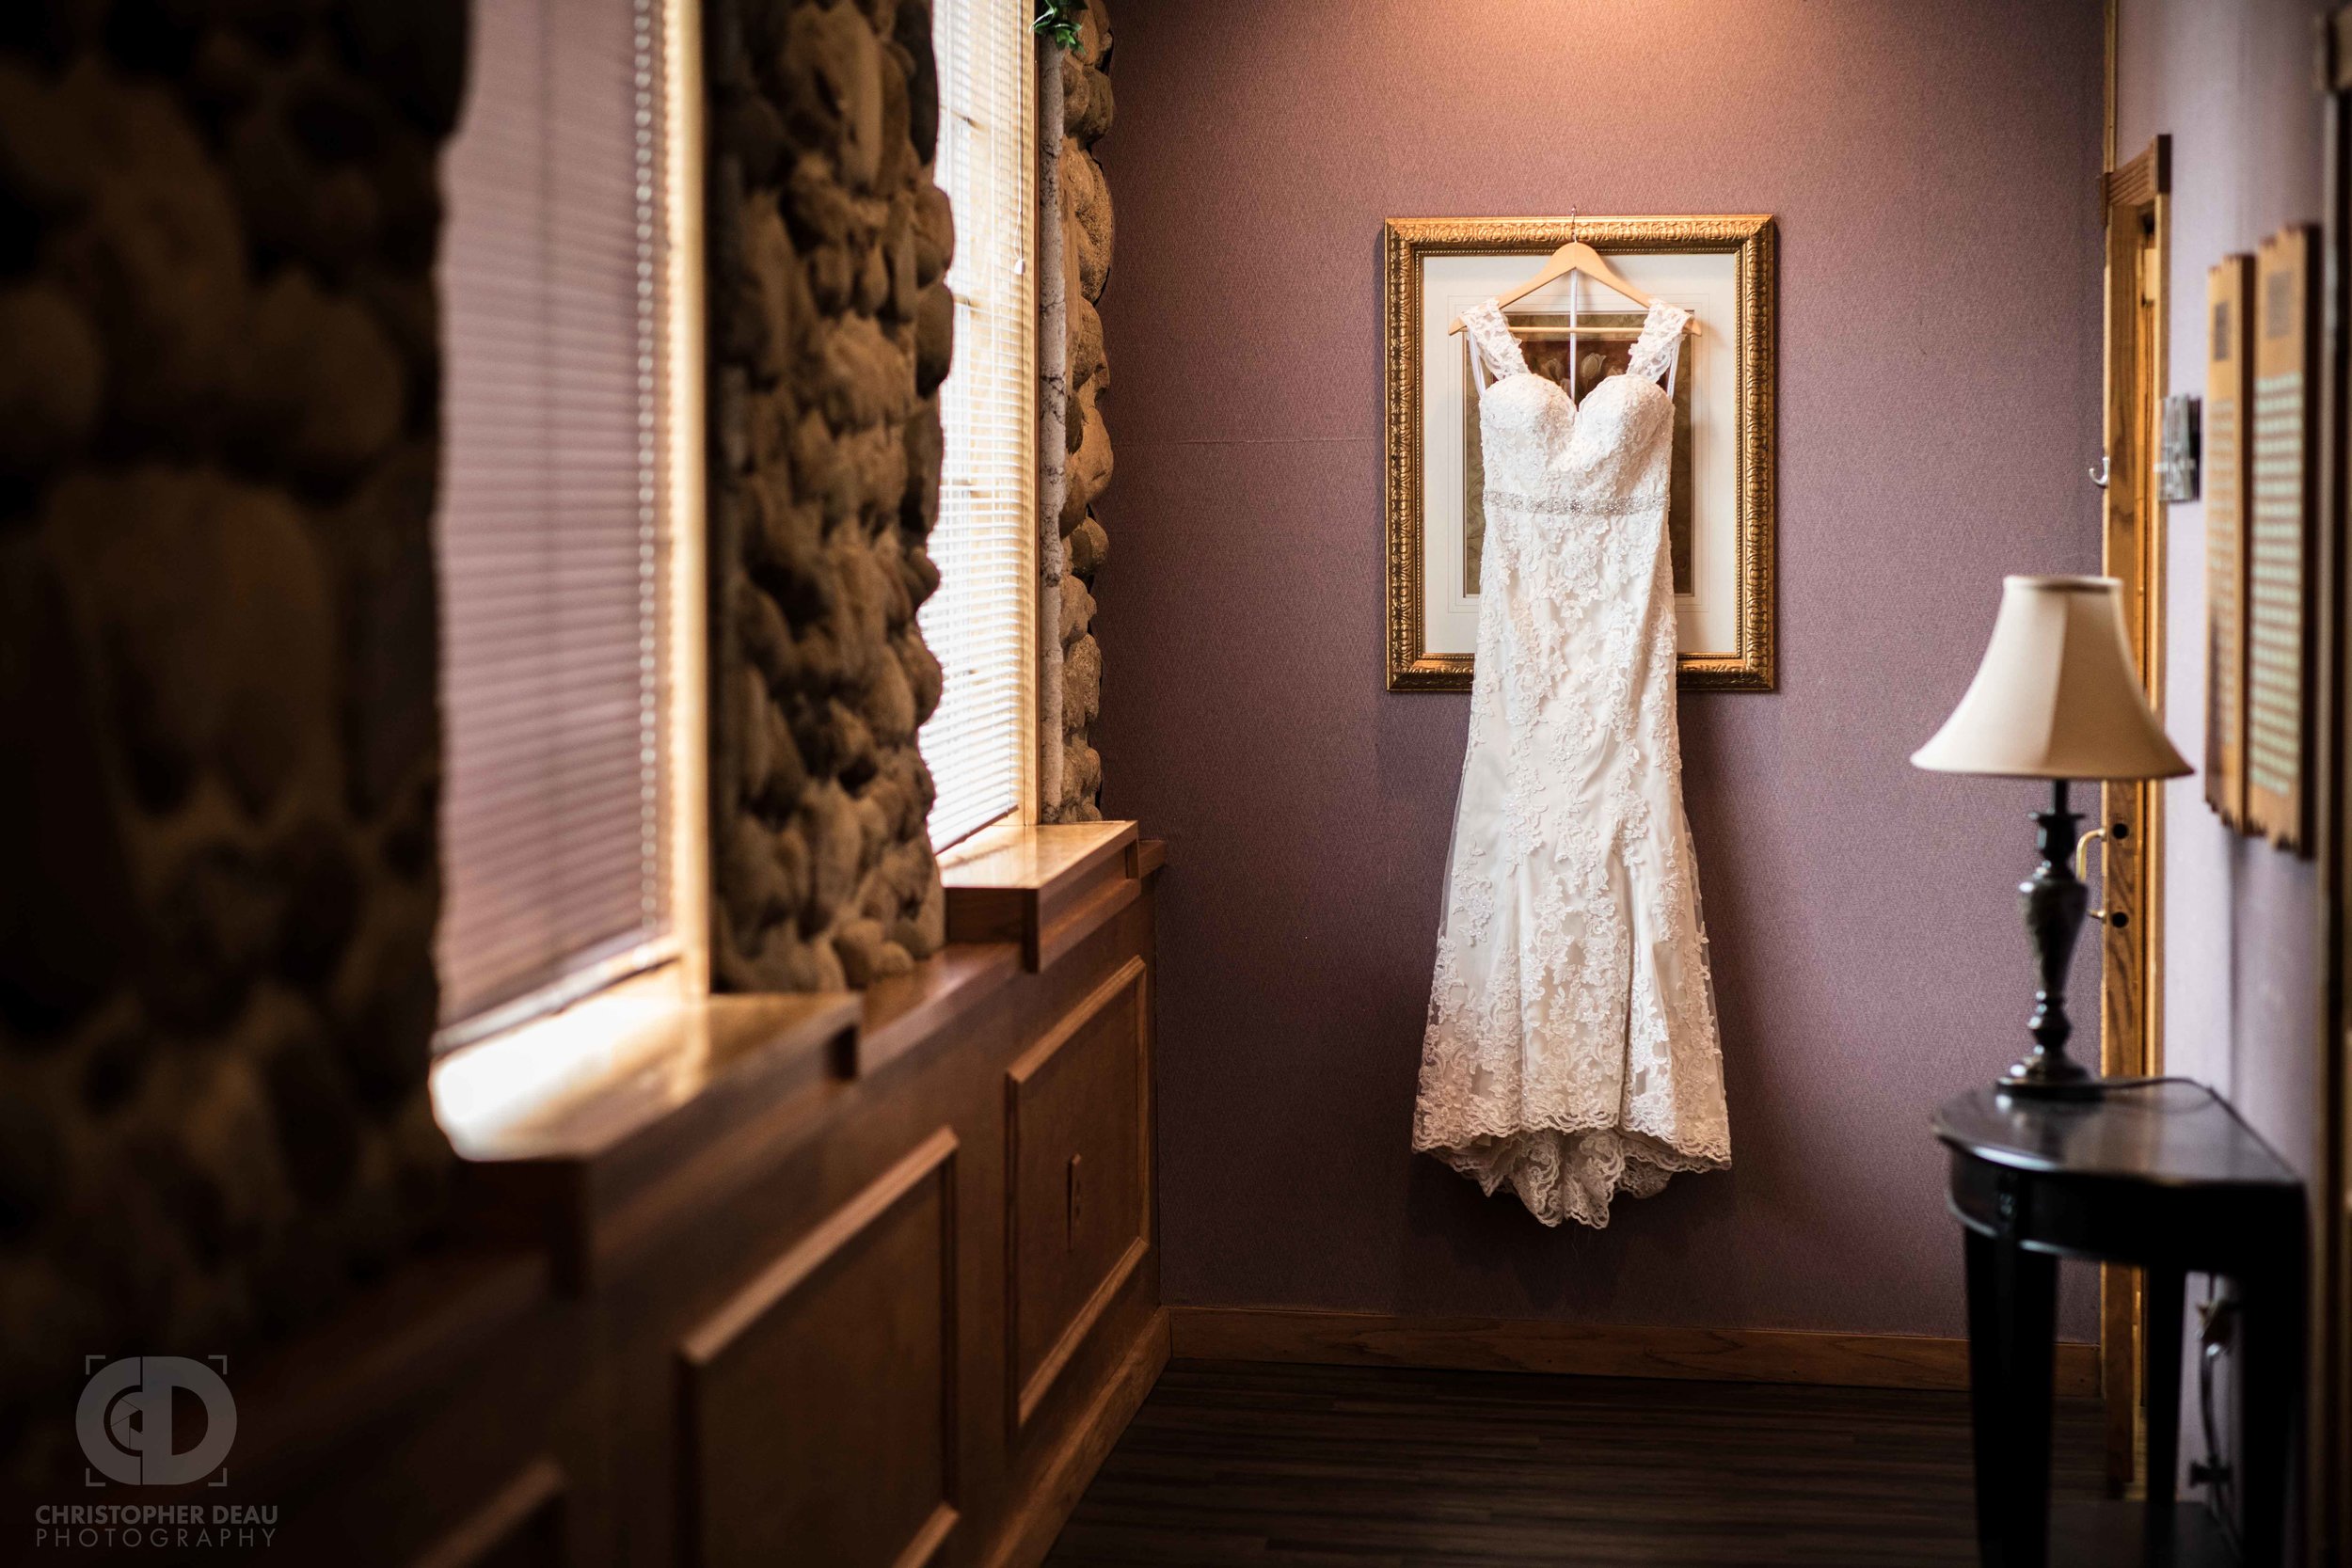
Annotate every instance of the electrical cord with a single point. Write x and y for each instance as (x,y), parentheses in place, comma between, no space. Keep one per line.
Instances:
(2215,1317)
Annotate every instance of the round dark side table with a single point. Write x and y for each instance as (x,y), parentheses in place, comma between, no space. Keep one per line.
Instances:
(2164,1176)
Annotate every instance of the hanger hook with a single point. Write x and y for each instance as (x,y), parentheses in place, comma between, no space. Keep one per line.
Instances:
(1572,226)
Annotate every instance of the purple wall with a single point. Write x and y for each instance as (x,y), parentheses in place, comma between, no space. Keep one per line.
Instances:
(1934,170)
(2231,80)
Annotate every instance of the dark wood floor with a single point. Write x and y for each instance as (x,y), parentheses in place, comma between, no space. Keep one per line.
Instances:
(1368,1467)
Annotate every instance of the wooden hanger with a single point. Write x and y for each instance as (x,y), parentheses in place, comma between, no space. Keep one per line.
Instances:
(1576,256)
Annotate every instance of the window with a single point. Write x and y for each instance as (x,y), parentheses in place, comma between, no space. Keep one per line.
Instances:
(980,622)
(554,528)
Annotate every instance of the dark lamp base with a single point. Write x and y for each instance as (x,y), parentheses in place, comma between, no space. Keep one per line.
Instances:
(2043,1077)
(2053,902)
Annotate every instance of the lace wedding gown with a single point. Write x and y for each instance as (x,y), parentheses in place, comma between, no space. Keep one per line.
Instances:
(1571,1047)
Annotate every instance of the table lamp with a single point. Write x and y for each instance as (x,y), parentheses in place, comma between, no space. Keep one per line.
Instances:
(2056,698)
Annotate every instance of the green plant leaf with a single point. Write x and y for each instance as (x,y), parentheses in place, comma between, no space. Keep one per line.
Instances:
(1058,20)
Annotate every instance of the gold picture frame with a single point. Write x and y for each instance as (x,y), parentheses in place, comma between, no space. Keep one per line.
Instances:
(2228,475)
(1739,651)
(2281,539)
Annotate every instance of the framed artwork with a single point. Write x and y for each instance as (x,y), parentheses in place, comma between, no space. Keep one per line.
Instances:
(1720,510)
(2283,511)
(2229,395)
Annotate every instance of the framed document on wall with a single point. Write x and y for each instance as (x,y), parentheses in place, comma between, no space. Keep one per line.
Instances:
(2229,396)
(2284,513)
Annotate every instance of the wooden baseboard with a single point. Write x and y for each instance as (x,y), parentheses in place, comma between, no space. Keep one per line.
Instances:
(1027,1535)
(1592,1350)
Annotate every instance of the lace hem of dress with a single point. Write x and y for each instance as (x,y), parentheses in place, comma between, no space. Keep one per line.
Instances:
(1520,502)
(1572,1174)
(1457,1123)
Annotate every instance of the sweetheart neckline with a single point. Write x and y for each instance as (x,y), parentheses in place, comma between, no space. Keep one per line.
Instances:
(1574,406)
(1488,315)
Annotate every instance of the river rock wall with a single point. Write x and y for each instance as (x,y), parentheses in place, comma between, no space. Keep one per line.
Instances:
(220,391)
(831,330)
(1086,233)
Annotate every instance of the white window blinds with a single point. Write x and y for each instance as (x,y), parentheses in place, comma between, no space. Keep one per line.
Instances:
(549,533)
(980,623)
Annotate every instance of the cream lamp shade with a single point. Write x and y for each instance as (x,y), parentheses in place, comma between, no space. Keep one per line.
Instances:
(2056,696)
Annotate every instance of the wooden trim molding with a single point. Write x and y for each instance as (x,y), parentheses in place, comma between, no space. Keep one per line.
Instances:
(2135,354)
(1028,1532)
(1592,1350)
(756,1300)
(2106,90)
(1029,1393)
(1033,1390)
(533,1500)
(703,1381)
(2140,182)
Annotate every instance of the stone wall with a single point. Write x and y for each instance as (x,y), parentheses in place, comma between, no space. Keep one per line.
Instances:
(219,375)
(1085,210)
(830,333)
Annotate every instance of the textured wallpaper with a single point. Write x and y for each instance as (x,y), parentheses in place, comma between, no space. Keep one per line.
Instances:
(1931,170)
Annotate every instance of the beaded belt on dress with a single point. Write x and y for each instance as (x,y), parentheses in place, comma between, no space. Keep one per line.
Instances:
(1512,501)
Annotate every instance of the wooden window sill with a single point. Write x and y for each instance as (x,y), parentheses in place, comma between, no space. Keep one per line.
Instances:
(582,1129)
(1043,887)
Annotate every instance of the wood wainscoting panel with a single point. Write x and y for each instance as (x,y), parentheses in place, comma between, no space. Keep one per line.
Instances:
(729,1284)
(1038,1512)
(817,1407)
(1077,1179)
(522,1526)
(1592,1350)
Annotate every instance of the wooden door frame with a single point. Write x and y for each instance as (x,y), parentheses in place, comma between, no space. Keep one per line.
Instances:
(2136,199)
(2328,1516)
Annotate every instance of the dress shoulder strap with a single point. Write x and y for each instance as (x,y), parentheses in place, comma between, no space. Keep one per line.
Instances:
(1656,350)
(1491,343)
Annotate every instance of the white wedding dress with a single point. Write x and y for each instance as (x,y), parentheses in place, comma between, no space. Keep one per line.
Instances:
(1572,1049)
